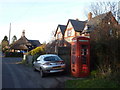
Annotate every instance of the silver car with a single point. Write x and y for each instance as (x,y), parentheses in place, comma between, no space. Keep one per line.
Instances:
(49,63)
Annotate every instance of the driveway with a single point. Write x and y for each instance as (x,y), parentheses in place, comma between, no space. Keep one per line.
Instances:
(15,75)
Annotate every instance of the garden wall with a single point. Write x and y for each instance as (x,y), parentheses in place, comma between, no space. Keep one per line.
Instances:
(65,54)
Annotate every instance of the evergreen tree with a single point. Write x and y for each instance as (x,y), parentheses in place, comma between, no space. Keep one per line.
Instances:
(5,43)
(14,38)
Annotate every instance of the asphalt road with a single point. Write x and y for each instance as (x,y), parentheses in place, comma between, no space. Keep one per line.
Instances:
(15,75)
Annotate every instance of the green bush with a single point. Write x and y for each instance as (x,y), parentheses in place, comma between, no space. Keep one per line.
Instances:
(37,50)
(94,73)
(105,51)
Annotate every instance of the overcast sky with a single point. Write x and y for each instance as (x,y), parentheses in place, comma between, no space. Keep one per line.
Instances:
(39,17)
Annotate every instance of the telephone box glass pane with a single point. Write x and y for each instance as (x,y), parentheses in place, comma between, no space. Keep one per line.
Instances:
(73,59)
(73,49)
(84,51)
(73,54)
(84,60)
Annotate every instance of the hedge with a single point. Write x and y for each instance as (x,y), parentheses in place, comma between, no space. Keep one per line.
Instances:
(13,54)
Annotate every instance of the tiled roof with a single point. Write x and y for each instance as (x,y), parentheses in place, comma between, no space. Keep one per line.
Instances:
(35,43)
(62,28)
(77,25)
(94,22)
(97,20)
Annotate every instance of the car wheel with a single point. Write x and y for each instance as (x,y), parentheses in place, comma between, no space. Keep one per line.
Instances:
(42,74)
(34,69)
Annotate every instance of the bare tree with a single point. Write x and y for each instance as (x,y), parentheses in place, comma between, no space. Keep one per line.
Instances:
(118,16)
(105,46)
(103,7)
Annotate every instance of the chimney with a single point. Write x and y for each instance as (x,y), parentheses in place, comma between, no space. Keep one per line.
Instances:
(77,19)
(23,33)
(89,16)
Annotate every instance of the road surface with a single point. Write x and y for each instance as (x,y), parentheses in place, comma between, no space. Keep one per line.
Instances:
(15,75)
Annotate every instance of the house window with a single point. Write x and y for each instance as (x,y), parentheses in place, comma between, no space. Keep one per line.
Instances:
(111,32)
(59,36)
(69,33)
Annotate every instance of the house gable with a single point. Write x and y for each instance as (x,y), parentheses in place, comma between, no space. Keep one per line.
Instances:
(59,34)
(74,28)
(69,32)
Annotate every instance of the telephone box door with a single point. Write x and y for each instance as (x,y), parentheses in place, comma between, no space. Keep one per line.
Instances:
(84,59)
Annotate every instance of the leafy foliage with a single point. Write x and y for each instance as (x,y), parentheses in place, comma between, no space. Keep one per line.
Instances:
(5,44)
(37,52)
(105,49)
(5,38)
(14,39)
(40,50)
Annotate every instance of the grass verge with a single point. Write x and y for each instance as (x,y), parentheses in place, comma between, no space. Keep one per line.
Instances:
(91,83)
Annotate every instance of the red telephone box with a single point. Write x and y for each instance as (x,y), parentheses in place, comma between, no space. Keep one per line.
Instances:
(80,56)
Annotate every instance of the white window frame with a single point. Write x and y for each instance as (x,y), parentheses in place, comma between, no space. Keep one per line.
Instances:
(69,33)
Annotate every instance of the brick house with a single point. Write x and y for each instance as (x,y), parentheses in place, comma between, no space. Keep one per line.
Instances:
(73,29)
(83,28)
(105,20)
(59,34)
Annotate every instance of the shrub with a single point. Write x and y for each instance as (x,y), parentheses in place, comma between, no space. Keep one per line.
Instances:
(40,50)
(13,54)
(105,51)
(37,52)
(94,73)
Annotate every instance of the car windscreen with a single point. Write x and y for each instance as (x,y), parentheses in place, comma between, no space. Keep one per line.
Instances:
(52,58)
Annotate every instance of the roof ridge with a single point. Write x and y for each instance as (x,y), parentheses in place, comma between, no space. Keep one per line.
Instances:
(61,25)
(102,14)
(76,20)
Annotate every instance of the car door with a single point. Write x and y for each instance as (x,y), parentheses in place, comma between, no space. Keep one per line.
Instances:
(38,62)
